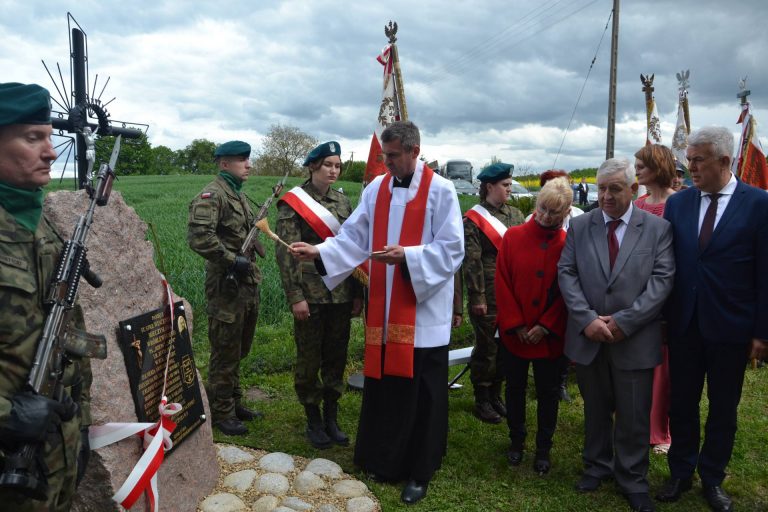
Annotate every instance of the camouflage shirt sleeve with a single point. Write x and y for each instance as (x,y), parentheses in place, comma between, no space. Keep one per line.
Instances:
(474,276)
(288,228)
(204,213)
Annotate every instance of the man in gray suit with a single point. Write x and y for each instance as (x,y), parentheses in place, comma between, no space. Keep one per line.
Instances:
(615,272)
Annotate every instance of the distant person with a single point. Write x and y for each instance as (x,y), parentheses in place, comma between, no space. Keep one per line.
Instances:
(655,169)
(717,313)
(408,223)
(615,272)
(678,183)
(220,218)
(532,319)
(484,227)
(311,213)
(583,192)
(30,249)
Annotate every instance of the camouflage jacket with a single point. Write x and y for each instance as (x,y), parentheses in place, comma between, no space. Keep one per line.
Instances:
(480,256)
(301,280)
(219,222)
(27,262)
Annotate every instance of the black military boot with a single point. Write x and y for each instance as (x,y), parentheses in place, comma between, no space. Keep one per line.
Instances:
(315,428)
(494,396)
(245,414)
(231,427)
(336,435)
(483,408)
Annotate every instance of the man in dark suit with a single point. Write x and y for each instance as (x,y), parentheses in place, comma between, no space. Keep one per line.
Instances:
(615,272)
(717,313)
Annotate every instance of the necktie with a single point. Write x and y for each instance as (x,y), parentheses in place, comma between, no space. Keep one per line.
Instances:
(709,222)
(613,242)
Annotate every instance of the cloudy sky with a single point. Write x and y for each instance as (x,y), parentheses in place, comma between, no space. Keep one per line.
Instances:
(483,78)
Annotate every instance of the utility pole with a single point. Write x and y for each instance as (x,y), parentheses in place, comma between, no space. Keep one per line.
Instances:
(612,86)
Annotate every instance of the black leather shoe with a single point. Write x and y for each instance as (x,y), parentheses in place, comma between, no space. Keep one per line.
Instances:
(486,413)
(245,414)
(231,427)
(514,457)
(640,502)
(541,464)
(414,491)
(673,489)
(717,499)
(589,483)
(499,407)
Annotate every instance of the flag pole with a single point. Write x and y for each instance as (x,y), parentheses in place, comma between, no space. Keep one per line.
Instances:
(682,80)
(648,89)
(390,31)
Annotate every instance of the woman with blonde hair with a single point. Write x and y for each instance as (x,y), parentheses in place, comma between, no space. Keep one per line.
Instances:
(532,319)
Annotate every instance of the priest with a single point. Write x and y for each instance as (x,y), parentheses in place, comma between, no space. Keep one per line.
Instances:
(408,229)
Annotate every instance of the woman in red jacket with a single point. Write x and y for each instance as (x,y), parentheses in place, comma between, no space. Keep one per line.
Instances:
(532,317)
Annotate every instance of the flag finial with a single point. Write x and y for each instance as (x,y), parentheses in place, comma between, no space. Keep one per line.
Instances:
(390,31)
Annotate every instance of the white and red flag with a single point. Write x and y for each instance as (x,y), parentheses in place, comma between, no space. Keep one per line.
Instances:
(750,166)
(653,136)
(389,112)
(680,138)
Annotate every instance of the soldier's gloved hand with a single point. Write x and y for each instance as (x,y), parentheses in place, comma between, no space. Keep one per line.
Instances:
(32,415)
(84,456)
(241,266)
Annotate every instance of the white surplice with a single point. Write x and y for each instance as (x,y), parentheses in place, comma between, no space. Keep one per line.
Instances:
(431,265)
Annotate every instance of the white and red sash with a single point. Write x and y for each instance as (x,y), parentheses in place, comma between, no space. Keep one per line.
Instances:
(491,227)
(401,324)
(317,216)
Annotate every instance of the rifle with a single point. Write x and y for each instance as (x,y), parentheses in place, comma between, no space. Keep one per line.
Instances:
(21,471)
(250,243)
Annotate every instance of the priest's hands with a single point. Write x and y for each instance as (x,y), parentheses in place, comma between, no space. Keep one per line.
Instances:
(390,254)
(304,252)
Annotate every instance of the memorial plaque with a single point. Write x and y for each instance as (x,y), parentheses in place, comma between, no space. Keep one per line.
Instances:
(145,340)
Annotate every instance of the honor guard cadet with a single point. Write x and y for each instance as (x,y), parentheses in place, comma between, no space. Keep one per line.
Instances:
(311,213)
(484,227)
(219,221)
(29,252)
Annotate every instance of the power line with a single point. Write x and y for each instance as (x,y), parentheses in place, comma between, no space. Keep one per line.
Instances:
(583,86)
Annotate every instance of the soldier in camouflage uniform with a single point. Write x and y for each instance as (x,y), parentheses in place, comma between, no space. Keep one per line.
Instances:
(29,252)
(219,221)
(479,274)
(321,317)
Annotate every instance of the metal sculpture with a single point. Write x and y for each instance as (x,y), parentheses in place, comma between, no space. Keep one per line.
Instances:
(83,115)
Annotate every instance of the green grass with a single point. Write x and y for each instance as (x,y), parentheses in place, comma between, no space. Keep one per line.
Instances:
(474,476)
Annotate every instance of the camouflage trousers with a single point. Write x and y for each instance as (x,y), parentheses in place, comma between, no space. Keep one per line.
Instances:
(230,343)
(484,364)
(60,456)
(321,352)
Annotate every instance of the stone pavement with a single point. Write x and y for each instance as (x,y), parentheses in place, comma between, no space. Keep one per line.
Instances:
(258,481)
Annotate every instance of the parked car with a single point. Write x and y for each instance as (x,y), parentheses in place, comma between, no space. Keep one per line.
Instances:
(591,193)
(465,187)
(519,191)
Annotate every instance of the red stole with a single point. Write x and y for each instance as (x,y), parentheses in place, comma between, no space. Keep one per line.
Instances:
(401,324)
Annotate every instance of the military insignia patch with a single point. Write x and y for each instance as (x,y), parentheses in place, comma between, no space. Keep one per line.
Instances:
(332,147)
(206,195)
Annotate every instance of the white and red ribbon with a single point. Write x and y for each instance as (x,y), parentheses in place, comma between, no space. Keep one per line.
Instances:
(492,227)
(156,438)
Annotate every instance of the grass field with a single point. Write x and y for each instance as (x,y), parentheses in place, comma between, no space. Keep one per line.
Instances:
(475,476)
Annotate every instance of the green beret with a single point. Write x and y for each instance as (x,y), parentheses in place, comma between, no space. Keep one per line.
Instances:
(233,148)
(496,172)
(24,104)
(323,150)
